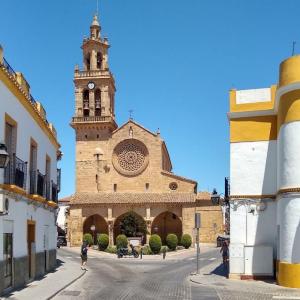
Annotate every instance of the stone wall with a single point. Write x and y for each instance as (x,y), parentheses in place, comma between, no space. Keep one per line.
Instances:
(211,222)
(52,259)
(39,264)
(1,276)
(20,271)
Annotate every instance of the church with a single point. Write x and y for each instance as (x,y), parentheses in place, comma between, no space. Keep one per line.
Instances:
(126,168)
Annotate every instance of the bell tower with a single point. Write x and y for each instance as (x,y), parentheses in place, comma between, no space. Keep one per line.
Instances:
(94,115)
(94,85)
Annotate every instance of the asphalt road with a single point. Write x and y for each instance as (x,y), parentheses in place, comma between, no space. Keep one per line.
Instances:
(138,279)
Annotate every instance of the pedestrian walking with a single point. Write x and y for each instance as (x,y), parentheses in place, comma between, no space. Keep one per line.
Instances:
(83,254)
(225,252)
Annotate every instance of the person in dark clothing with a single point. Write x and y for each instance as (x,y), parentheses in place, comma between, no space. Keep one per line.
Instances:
(83,254)
(225,252)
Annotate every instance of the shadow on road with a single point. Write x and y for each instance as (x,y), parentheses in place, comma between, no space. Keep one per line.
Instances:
(221,270)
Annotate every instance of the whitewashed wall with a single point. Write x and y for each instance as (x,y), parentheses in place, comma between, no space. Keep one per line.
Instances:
(289,156)
(26,129)
(61,216)
(19,213)
(253,168)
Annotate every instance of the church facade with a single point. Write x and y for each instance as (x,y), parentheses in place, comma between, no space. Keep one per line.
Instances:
(121,169)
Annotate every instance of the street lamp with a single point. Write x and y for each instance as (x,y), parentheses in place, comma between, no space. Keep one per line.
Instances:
(4,158)
(93,228)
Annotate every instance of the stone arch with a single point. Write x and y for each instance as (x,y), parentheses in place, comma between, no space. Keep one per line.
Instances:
(101,225)
(165,223)
(117,225)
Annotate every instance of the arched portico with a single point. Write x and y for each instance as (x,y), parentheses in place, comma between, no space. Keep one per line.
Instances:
(101,225)
(118,226)
(165,223)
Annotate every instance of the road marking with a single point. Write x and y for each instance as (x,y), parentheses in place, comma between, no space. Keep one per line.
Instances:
(286,297)
(69,256)
(213,258)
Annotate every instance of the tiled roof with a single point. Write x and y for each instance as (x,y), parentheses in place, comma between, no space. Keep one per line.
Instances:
(134,198)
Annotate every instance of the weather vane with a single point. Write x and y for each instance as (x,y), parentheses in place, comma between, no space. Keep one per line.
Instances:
(130,114)
(293,51)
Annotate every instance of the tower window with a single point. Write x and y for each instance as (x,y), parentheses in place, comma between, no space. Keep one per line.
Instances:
(88,62)
(147,186)
(86,108)
(99,60)
(115,187)
(97,103)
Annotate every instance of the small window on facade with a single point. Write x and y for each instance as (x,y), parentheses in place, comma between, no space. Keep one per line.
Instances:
(147,186)
(173,186)
(86,136)
(115,187)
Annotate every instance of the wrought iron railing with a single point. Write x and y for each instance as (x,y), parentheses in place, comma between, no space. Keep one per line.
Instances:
(8,67)
(48,187)
(16,172)
(41,182)
(54,194)
(58,180)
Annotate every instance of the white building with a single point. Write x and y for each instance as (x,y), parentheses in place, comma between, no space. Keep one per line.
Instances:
(265,179)
(28,185)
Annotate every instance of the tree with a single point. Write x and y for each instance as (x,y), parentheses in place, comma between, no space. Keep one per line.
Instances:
(133,225)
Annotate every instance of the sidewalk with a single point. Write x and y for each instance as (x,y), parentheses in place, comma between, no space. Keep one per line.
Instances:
(52,283)
(179,254)
(214,275)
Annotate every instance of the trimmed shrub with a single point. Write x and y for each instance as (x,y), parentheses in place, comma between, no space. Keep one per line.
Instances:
(121,241)
(146,250)
(88,238)
(111,249)
(186,241)
(155,243)
(172,241)
(103,241)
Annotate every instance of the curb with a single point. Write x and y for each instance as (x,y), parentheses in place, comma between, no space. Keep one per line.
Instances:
(67,285)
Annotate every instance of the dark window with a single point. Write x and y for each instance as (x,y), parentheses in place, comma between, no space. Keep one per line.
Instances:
(99,60)
(115,187)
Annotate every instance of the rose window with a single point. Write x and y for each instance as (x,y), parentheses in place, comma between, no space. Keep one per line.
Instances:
(130,157)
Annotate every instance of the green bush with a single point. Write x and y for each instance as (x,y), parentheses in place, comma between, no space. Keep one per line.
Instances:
(111,249)
(121,241)
(172,241)
(103,241)
(186,241)
(146,250)
(88,238)
(155,243)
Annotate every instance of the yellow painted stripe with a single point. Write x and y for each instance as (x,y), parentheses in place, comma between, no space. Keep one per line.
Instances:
(289,71)
(25,102)
(251,129)
(234,107)
(289,274)
(289,108)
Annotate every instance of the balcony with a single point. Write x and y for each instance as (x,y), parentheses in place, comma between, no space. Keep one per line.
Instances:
(92,119)
(58,180)
(16,172)
(91,73)
(54,194)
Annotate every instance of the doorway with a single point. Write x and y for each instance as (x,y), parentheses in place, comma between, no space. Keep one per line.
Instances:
(8,258)
(31,247)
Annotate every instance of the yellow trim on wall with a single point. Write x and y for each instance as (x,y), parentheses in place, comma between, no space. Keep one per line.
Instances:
(17,190)
(234,107)
(27,105)
(289,71)
(289,274)
(251,129)
(289,108)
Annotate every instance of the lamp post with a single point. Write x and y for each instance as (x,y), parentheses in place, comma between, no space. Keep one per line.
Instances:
(4,158)
(93,228)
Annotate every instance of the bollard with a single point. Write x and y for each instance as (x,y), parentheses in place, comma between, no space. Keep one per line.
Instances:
(164,252)
(141,253)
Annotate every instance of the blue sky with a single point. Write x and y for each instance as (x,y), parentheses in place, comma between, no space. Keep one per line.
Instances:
(174,63)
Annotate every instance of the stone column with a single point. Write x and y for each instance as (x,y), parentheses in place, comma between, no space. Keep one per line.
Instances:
(111,232)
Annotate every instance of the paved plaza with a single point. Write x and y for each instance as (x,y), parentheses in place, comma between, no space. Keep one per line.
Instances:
(148,278)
